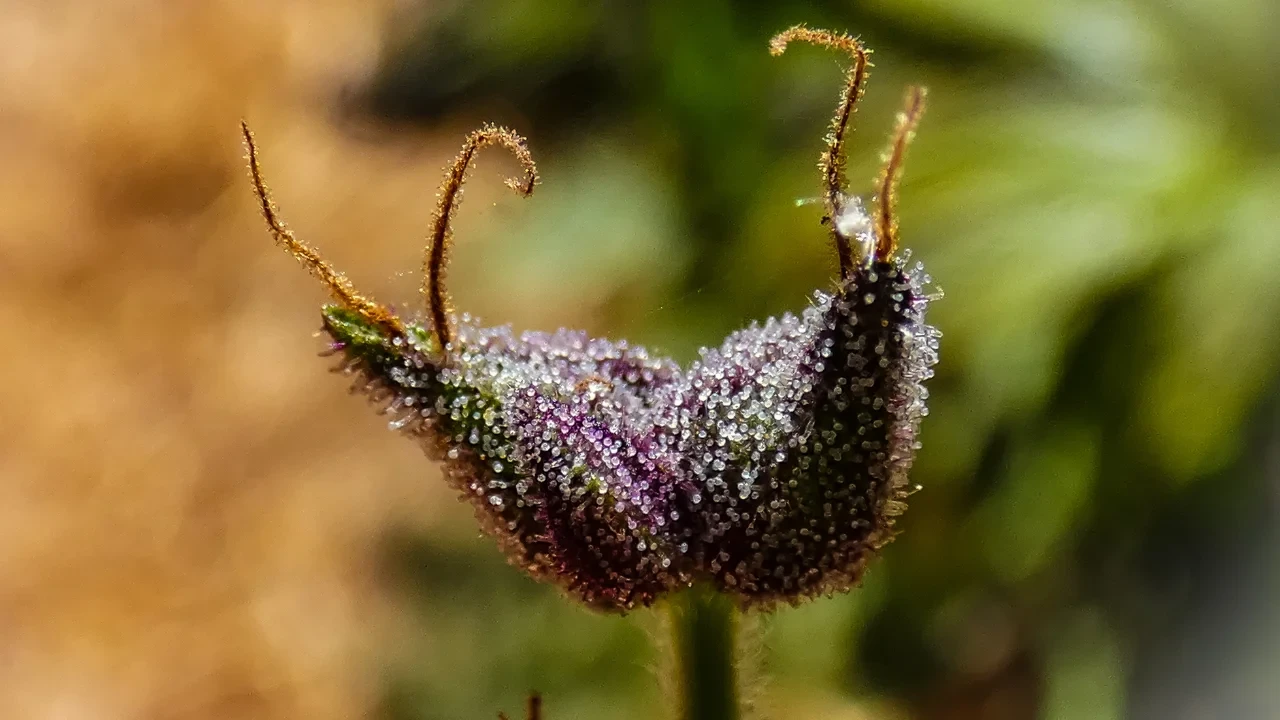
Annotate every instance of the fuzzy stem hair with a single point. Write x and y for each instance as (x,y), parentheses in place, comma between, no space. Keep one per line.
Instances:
(703,655)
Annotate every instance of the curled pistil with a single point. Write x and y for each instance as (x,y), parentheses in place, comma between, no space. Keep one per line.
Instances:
(441,235)
(832,161)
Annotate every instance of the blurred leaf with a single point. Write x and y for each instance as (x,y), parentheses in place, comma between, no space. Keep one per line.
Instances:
(1042,495)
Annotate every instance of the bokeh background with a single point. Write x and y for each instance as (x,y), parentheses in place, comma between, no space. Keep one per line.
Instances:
(196,520)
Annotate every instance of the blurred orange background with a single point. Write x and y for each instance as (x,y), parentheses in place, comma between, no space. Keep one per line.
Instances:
(197,522)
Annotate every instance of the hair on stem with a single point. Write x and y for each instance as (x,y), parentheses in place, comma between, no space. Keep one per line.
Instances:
(437,252)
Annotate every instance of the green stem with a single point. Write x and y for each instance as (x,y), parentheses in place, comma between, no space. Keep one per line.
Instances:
(704,648)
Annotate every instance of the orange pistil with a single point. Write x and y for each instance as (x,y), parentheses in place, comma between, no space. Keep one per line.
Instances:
(832,162)
(337,283)
(450,191)
(887,185)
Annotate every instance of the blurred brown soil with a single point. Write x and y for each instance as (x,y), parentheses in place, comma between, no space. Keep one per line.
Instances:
(188,513)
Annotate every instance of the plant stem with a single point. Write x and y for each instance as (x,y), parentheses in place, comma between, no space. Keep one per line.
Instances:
(704,639)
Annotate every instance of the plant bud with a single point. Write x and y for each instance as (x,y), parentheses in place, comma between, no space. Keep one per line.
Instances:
(801,434)
(546,435)
(774,468)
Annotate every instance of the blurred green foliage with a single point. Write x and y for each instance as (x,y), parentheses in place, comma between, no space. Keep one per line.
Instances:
(1096,187)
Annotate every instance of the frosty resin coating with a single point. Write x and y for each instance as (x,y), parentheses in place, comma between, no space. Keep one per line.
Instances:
(773,467)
